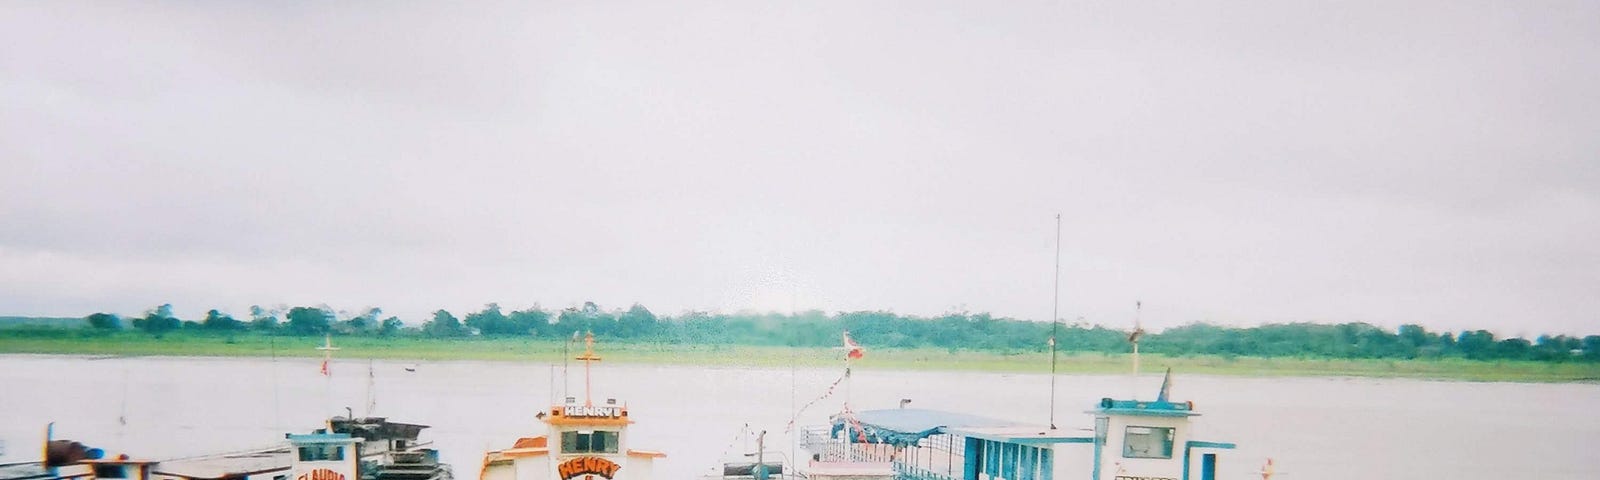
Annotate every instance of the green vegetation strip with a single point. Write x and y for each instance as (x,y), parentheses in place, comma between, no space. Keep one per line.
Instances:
(548,351)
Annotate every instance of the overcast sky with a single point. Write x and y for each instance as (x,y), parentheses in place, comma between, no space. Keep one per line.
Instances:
(1235,162)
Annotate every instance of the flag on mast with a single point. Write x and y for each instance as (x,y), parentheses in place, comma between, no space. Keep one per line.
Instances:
(853,351)
(327,353)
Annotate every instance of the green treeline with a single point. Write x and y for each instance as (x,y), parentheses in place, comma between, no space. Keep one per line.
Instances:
(954,331)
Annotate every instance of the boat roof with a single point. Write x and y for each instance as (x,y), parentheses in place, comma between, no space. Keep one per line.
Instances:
(227,464)
(24,471)
(301,439)
(914,420)
(1024,434)
(376,428)
(1158,408)
(906,426)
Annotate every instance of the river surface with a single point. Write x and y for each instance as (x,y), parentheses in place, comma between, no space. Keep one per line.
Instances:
(1314,428)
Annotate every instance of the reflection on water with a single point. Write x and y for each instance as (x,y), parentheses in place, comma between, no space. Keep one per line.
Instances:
(1322,428)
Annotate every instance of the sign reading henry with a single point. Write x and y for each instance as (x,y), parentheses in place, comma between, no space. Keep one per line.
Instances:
(583,411)
(587,466)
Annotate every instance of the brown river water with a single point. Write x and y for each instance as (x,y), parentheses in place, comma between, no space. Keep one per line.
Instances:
(1314,428)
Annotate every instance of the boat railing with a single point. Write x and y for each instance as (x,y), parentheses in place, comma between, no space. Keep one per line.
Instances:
(907,472)
(269,450)
(816,439)
(409,457)
(821,444)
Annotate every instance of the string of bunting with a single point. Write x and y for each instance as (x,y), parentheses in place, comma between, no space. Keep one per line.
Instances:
(826,394)
(743,431)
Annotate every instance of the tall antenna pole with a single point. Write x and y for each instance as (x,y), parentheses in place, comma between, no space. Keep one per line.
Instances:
(372,398)
(1055,316)
(277,409)
(794,350)
(566,386)
(847,380)
(122,418)
(1138,331)
(552,376)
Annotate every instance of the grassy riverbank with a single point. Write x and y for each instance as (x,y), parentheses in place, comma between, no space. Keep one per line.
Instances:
(545,351)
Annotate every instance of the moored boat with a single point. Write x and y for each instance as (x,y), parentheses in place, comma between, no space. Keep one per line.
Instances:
(582,440)
(759,464)
(1130,440)
(355,449)
(346,448)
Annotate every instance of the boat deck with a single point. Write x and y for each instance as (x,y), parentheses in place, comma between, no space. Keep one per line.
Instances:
(227,465)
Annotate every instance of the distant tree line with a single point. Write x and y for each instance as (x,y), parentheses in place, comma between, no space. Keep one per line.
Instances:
(953,331)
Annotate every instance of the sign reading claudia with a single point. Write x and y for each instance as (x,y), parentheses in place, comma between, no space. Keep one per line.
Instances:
(321,474)
(583,411)
(587,466)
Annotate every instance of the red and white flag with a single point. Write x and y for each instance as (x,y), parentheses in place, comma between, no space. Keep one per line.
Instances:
(852,351)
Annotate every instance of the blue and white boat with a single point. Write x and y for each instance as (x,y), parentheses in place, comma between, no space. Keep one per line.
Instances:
(1131,440)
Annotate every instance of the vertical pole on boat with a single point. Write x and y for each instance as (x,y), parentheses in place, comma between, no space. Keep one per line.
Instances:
(44,450)
(849,436)
(794,345)
(1055,317)
(588,357)
(372,398)
(565,347)
(552,374)
(761,446)
(327,377)
(122,417)
(1138,331)
(566,385)
(847,374)
(277,410)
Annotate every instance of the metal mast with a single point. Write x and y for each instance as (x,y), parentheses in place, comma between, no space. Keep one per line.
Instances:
(1055,316)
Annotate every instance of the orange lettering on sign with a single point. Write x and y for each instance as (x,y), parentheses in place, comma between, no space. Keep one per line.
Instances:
(587,466)
(321,474)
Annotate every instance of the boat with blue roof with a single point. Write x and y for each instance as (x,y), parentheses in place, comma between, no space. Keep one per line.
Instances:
(1130,440)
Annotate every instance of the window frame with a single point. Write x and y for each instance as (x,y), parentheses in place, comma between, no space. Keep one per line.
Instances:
(106,471)
(1165,437)
(582,442)
(321,453)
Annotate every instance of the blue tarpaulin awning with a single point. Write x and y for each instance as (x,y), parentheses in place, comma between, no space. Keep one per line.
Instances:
(905,426)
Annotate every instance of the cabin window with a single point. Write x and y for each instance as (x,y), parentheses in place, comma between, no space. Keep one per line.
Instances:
(321,453)
(1147,442)
(110,471)
(598,441)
